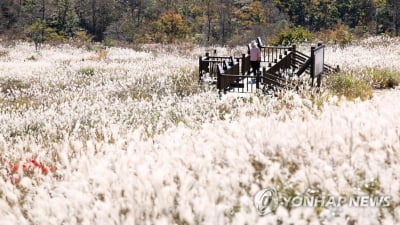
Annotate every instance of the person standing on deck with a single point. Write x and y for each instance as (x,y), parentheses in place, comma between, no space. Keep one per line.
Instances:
(255,57)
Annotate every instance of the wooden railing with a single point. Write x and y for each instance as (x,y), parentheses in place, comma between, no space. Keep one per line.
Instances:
(272,54)
(209,64)
(230,81)
(283,66)
(269,79)
(282,63)
(227,74)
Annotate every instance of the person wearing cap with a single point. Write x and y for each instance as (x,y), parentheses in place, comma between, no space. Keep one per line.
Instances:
(255,57)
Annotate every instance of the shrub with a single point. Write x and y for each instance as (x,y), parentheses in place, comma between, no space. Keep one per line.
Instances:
(292,35)
(83,36)
(345,84)
(361,86)
(87,71)
(39,32)
(108,42)
(382,78)
(339,35)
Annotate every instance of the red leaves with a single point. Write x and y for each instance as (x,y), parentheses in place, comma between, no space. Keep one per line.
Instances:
(27,167)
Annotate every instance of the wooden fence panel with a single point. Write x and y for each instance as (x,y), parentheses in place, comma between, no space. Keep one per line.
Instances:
(228,76)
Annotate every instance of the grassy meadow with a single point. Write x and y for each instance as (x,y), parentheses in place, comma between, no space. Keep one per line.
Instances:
(94,135)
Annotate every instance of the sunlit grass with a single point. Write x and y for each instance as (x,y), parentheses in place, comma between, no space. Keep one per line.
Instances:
(133,138)
(382,78)
(346,84)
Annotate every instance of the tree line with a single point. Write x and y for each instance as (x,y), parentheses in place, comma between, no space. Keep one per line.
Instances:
(200,21)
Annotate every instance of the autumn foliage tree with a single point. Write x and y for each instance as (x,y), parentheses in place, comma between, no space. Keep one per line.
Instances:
(169,27)
(203,21)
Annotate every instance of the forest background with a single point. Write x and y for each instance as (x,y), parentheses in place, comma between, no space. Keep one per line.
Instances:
(204,22)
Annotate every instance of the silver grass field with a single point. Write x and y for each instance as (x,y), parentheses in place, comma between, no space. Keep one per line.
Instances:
(130,137)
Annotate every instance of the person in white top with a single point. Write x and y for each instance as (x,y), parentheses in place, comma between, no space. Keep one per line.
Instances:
(255,57)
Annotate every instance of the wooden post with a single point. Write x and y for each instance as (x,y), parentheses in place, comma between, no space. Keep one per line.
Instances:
(293,58)
(259,42)
(243,64)
(200,67)
(319,78)
(312,72)
(219,72)
(264,74)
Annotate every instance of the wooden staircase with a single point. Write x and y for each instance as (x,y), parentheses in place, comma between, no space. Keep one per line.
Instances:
(281,66)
